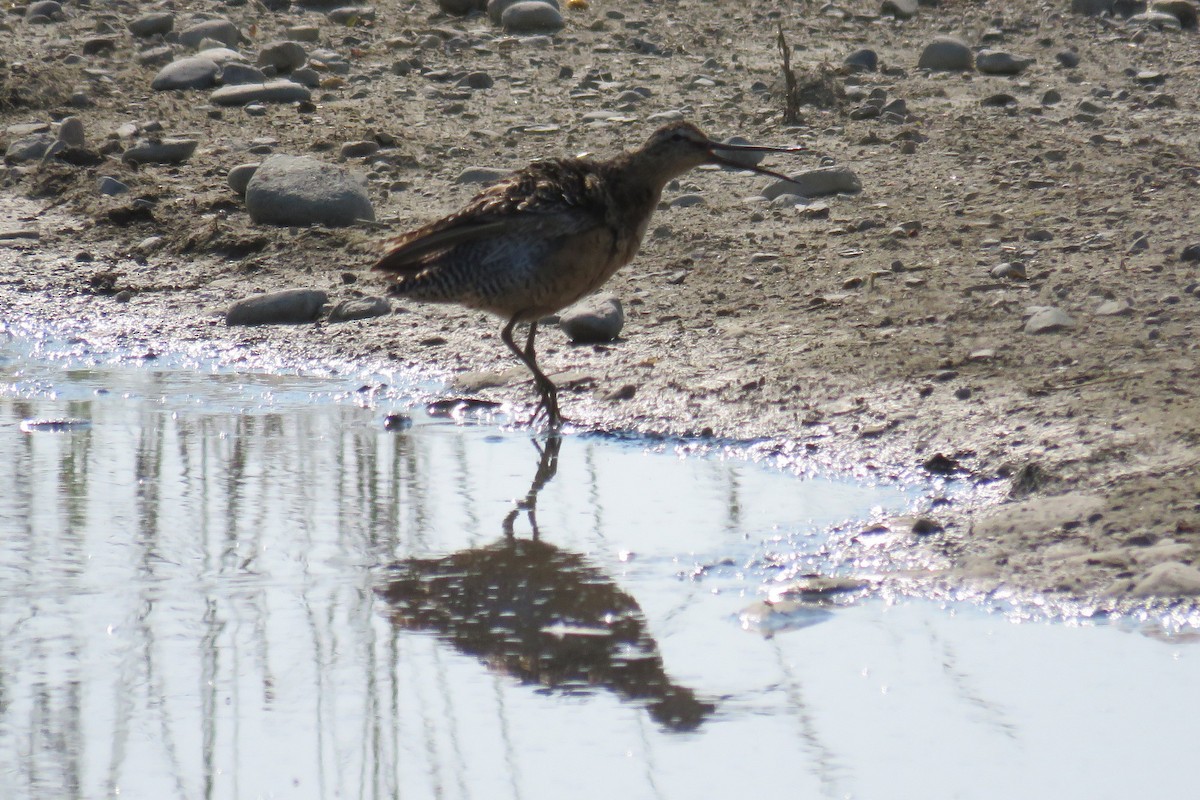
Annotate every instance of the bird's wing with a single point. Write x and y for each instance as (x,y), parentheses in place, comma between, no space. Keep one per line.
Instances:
(546,200)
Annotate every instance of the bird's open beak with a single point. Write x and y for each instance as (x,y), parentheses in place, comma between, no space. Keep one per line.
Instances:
(716,148)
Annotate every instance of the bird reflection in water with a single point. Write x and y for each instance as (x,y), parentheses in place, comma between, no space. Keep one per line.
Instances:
(541,614)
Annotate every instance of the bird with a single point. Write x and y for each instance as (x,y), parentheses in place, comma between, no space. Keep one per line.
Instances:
(551,233)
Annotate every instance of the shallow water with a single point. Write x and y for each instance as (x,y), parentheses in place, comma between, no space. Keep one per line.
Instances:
(224,585)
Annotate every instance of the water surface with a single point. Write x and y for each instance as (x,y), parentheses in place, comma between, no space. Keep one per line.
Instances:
(227,585)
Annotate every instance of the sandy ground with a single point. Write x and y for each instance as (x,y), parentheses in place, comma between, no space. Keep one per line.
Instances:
(865,332)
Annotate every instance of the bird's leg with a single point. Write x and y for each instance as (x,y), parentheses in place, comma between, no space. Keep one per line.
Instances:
(546,388)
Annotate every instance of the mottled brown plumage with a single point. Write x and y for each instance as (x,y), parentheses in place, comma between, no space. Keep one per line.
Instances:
(548,235)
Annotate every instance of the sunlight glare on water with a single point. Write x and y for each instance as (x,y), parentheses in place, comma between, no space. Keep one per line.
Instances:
(223,585)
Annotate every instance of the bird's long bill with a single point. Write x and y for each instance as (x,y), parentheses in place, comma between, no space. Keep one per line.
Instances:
(715,147)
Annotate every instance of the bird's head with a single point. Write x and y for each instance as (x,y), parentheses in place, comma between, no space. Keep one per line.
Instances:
(680,146)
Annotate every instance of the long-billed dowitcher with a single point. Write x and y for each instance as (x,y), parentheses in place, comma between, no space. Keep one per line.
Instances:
(548,235)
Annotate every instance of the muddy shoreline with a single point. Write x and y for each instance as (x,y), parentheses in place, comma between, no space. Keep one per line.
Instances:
(867,331)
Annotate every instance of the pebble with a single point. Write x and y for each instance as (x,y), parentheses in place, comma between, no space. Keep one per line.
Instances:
(290,306)
(70,132)
(359,149)
(1168,579)
(1114,308)
(1157,19)
(221,55)
(1012,270)
(298,190)
(496,8)
(193,72)
(349,15)
(98,45)
(110,186)
(280,91)
(219,30)
(28,148)
(239,177)
(946,53)
(900,9)
(1051,97)
(816,183)
(1049,319)
(748,158)
(1190,253)
(687,201)
(864,59)
(998,62)
(1185,11)
(283,56)
(531,16)
(460,8)
(595,319)
(166,151)
(1068,58)
(360,308)
(152,24)
(1092,8)
(304,33)
(237,73)
(480,175)
(48,10)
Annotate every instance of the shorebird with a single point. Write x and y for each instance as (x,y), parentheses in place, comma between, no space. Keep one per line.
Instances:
(546,236)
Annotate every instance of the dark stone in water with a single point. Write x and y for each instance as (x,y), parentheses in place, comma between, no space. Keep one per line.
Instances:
(397,422)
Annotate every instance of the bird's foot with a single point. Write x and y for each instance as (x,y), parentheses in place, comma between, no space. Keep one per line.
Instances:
(548,409)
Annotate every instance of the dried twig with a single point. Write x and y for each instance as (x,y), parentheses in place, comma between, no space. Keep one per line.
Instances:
(791,97)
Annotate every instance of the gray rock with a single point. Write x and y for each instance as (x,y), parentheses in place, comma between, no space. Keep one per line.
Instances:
(167,151)
(237,74)
(110,186)
(221,55)
(44,9)
(1190,252)
(531,16)
(1068,58)
(595,319)
(1113,308)
(360,308)
(361,149)
(347,15)
(1168,579)
(900,9)
(460,8)
(28,148)
(496,8)
(1048,319)
(239,177)
(70,132)
(297,190)
(158,22)
(1010,270)
(1092,8)
(945,53)
(306,76)
(283,56)
(304,33)
(816,183)
(865,59)
(219,30)
(748,158)
(291,306)
(687,201)
(155,56)
(1185,11)
(192,72)
(481,175)
(998,62)
(281,91)
(1157,19)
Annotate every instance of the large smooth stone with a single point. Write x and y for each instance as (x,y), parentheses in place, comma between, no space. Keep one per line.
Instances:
(152,23)
(168,151)
(219,30)
(192,72)
(947,54)
(281,91)
(817,183)
(531,16)
(298,190)
(289,307)
(595,319)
